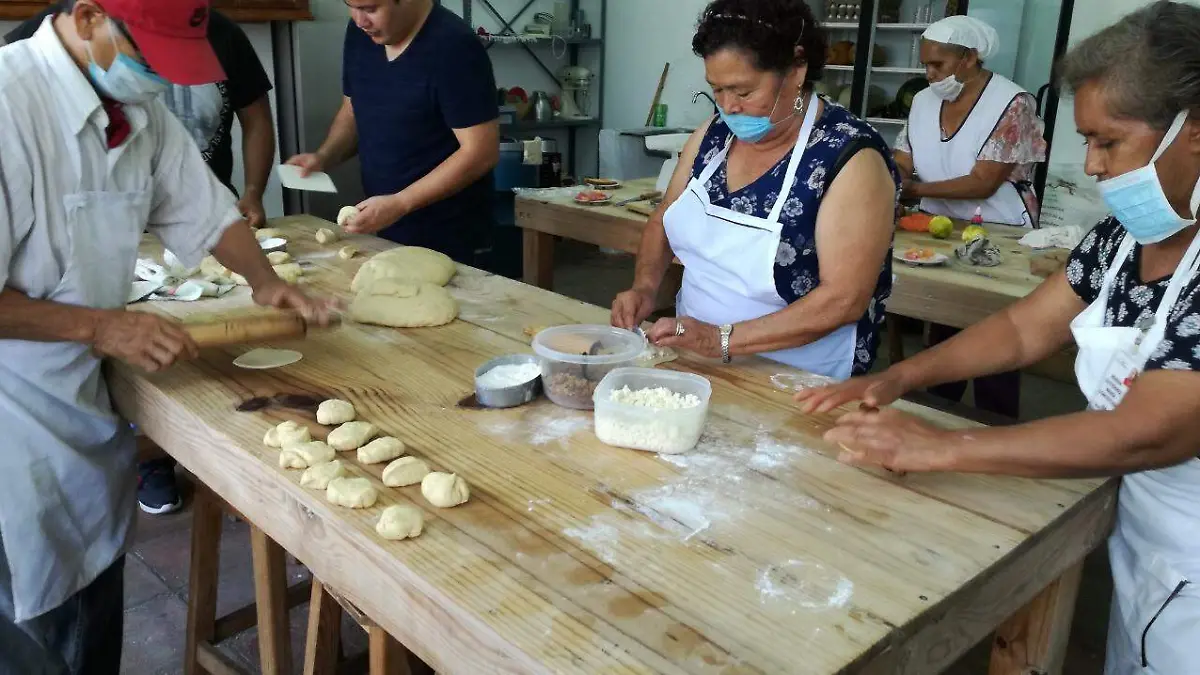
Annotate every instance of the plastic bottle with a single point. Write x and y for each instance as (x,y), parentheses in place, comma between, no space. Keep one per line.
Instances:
(977,219)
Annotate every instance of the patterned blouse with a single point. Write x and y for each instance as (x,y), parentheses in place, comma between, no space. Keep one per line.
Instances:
(1019,138)
(1131,300)
(836,137)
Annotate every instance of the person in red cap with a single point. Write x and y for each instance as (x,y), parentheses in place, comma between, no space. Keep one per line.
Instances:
(90,158)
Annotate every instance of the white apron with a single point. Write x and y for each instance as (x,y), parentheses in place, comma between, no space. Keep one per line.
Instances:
(729,264)
(937,160)
(1155,549)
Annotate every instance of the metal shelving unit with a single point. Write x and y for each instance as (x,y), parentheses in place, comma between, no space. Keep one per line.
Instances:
(507,38)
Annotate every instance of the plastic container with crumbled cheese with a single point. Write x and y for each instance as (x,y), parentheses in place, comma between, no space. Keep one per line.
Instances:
(653,410)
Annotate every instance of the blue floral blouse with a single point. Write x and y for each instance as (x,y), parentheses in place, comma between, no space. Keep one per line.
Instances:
(836,137)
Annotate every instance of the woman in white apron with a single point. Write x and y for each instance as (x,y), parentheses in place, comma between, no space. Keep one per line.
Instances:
(1130,299)
(972,142)
(781,209)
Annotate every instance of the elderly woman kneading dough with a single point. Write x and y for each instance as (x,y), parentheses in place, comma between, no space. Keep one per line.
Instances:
(1130,299)
(781,209)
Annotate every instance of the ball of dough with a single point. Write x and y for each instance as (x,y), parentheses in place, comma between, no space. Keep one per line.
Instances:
(326,236)
(352,493)
(404,472)
(304,455)
(444,490)
(289,272)
(268,233)
(238,279)
(380,450)
(279,257)
(410,263)
(290,459)
(317,476)
(400,522)
(335,411)
(212,270)
(347,252)
(401,304)
(344,216)
(352,435)
(287,433)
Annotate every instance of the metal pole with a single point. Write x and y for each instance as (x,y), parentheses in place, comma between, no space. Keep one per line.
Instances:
(1066,14)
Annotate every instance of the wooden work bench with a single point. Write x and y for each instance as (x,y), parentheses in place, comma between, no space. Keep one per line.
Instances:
(757,552)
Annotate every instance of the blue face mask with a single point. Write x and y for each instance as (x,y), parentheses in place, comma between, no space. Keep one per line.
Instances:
(1138,201)
(126,80)
(751,128)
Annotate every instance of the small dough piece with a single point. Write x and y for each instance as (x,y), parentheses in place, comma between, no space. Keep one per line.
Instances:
(402,304)
(408,263)
(380,450)
(344,216)
(444,490)
(304,455)
(289,272)
(347,252)
(263,359)
(268,233)
(290,459)
(214,271)
(287,433)
(405,471)
(352,493)
(317,476)
(279,257)
(326,236)
(400,522)
(352,435)
(335,411)
(238,279)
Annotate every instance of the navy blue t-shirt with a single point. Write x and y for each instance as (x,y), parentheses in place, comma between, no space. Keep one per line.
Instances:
(406,111)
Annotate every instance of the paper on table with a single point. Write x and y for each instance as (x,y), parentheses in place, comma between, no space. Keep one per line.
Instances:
(316,181)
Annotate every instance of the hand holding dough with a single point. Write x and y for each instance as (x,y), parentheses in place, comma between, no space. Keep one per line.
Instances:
(289,272)
(402,304)
(380,450)
(344,216)
(444,490)
(352,493)
(317,476)
(404,472)
(335,411)
(400,522)
(304,455)
(352,435)
(326,236)
(287,433)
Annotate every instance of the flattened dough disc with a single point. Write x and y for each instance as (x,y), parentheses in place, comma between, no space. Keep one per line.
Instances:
(262,359)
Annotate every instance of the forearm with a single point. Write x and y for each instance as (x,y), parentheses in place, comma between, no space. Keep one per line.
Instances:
(342,142)
(458,172)
(990,346)
(1085,444)
(803,322)
(963,187)
(258,151)
(23,318)
(654,256)
(239,251)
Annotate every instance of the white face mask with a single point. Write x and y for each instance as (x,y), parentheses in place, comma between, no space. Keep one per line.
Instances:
(126,80)
(948,89)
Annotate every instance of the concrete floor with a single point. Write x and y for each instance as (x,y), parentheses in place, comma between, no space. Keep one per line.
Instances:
(157,568)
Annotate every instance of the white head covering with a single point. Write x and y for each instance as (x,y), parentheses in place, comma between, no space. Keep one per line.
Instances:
(965,31)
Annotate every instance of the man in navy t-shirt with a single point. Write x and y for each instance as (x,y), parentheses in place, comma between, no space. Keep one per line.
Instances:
(420,111)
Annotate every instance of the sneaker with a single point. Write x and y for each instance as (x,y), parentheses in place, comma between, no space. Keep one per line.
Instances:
(158,492)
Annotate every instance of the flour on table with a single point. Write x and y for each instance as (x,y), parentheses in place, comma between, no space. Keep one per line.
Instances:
(540,425)
(804,584)
(800,381)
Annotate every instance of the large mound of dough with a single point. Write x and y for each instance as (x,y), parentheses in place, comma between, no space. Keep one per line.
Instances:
(401,304)
(407,263)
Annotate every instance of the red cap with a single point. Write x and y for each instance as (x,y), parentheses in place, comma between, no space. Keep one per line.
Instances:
(172,35)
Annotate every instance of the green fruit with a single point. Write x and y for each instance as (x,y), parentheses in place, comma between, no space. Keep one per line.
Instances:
(974,231)
(941,227)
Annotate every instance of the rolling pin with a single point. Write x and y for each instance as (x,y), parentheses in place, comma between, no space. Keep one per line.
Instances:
(245,330)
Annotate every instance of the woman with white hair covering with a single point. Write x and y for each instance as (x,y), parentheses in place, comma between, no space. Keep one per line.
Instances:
(971,143)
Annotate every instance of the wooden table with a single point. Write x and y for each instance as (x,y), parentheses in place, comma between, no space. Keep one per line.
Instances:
(955,294)
(755,553)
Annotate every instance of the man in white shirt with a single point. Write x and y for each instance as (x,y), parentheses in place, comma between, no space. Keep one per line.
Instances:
(89,158)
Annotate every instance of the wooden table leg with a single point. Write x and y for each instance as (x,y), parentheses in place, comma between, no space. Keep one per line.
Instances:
(1034,640)
(387,656)
(270,594)
(202,577)
(539,259)
(322,645)
(892,325)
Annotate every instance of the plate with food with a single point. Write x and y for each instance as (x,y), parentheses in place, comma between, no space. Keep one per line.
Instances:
(593,197)
(920,256)
(603,183)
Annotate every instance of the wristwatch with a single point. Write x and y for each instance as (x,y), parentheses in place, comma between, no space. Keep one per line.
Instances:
(726,332)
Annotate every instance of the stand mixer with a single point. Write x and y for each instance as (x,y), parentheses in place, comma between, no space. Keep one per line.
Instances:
(576,85)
